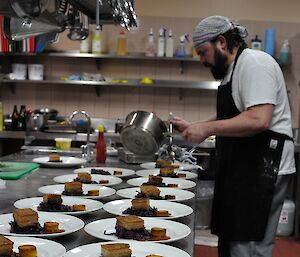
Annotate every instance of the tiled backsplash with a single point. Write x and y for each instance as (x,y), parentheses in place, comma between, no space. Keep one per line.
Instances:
(117,102)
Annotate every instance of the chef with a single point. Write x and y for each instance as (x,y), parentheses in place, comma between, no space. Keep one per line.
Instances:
(254,145)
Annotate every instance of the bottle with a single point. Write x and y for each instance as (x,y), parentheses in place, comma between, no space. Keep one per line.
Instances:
(14,118)
(170,45)
(256,43)
(22,119)
(150,49)
(96,42)
(161,43)
(122,44)
(181,52)
(101,146)
(1,116)
(270,41)
(85,46)
(284,52)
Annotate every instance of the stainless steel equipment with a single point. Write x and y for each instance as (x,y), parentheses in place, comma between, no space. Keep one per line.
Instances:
(143,132)
(131,158)
(48,113)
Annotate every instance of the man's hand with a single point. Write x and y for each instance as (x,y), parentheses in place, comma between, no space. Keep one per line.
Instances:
(196,132)
(179,124)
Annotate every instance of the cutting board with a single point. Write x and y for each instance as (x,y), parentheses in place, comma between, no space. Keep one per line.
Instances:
(16,170)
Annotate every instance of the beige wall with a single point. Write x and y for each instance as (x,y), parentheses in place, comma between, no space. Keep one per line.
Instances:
(261,10)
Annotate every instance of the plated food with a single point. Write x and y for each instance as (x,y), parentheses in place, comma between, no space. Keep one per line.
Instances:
(138,249)
(181,166)
(162,182)
(167,172)
(11,246)
(180,195)
(148,208)
(79,190)
(61,204)
(135,228)
(152,192)
(27,222)
(87,178)
(113,171)
(59,161)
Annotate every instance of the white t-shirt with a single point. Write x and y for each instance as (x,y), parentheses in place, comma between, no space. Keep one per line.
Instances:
(258,79)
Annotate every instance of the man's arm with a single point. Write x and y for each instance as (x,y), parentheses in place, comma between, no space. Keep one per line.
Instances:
(256,119)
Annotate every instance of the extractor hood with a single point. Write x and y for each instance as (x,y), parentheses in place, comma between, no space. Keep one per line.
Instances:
(25,18)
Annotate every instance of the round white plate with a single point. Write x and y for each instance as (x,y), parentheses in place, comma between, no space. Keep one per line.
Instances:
(175,230)
(182,166)
(182,183)
(177,210)
(66,162)
(70,177)
(180,195)
(125,172)
(67,222)
(147,172)
(44,247)
(33,203)
(139,249)
(58,189)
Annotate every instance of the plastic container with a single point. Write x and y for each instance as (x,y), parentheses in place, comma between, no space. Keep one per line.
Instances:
(161,43)
(122,44)
(286,220)
(85,46)
(170,45)
(256,43)
(270,41)
(19,71)
(150,49)
(101,146)
(35,71)
(63,143)
(284,52)
(181,52)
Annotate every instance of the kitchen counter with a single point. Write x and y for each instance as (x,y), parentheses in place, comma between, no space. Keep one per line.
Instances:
(28,187)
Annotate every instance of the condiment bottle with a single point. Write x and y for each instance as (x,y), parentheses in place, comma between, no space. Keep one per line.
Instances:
(170,45)
(14,118)
(22,118)
(122,44)
(161,43)
(150,49)
(96,42)
(101,146)
(256,43)
(284,52)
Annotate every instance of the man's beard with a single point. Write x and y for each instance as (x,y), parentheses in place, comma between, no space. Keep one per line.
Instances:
(218,70)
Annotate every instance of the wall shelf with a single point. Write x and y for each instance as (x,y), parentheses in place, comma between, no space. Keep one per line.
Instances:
(203,85)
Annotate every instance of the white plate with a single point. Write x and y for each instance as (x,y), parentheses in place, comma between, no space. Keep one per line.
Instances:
(125,172)
(33,203)
(66,162)
(58,189)
(177,210)
(147,172)
(182,183)
(44,247)
(175,230)
(180,195)
(182,166)
(67,222)
(139,249)
(70,177)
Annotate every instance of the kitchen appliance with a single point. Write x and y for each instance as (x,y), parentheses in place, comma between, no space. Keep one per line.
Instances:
(143,132)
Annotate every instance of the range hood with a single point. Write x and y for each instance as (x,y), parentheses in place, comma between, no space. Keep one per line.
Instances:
(26,18)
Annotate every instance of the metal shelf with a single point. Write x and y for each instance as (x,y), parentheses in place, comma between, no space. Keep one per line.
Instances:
(203,85)
(76,54)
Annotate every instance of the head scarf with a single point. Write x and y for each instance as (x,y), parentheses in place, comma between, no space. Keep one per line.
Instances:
(213,26)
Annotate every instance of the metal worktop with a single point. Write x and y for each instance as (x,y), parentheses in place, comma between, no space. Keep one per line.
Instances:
(28,187)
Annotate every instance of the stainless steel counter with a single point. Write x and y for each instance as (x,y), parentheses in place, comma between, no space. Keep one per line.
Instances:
(28,187)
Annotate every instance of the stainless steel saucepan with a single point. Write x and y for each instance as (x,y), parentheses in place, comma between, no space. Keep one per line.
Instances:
(143,132)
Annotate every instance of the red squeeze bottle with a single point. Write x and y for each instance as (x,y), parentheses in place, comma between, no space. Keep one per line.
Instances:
(101,146)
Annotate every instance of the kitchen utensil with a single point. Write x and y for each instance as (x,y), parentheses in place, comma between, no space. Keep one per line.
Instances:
(171,153)
(143,132)
(48,113)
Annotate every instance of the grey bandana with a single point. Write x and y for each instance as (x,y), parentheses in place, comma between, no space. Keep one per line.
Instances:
(213,26)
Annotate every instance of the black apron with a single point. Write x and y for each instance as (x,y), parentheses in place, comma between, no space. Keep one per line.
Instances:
(246,174)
